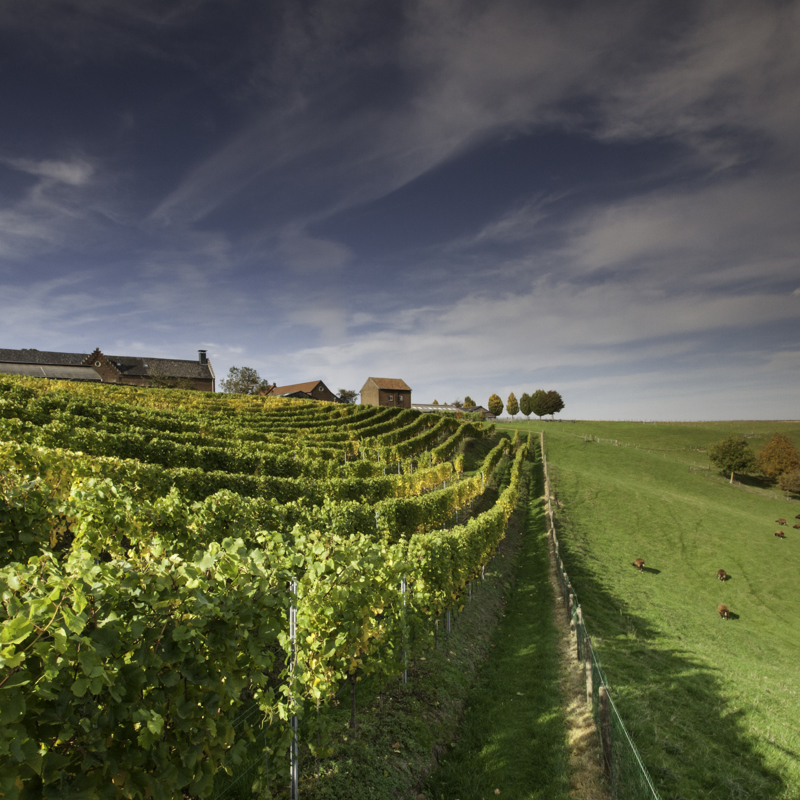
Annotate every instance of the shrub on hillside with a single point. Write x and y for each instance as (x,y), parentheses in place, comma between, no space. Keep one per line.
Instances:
(790,482)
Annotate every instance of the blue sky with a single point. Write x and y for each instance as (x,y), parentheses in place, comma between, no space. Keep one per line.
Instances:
(596,197)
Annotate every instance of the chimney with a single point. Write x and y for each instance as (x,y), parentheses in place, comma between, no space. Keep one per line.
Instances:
(202,357)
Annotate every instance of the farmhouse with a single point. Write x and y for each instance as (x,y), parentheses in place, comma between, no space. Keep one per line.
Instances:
(96,367)
(310,390)
(391,392)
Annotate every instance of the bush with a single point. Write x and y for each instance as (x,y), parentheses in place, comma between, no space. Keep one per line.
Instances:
(778,456)
(790,482)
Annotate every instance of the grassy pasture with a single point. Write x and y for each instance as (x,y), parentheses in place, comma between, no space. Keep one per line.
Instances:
(713,705)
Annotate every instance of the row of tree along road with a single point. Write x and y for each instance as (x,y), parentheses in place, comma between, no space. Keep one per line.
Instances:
(778,461)
(541,402)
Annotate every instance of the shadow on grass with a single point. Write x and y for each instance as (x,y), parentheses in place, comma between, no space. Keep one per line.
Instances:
(755,481)
(691,740)
(513,736)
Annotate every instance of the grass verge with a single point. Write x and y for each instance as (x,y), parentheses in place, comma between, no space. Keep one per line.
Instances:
(512,739)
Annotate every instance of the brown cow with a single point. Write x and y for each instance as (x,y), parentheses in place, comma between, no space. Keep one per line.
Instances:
(780,521)
(798,516)
(796,526)
(639,563)
(723,611)
(780,534)
(722,575)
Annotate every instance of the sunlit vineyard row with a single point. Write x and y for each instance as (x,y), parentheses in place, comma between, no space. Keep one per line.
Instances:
(148,542)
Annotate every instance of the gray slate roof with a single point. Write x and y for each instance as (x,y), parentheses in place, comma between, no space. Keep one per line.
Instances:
(64,373)
(127,365)
(42,357)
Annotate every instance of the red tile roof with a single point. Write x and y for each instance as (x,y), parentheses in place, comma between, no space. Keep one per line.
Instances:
(308,386)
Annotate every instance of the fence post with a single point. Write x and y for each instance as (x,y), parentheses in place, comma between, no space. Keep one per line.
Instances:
(605,731)
(294,765)
(579,634)
(589,673)
(353,723)
(405,635)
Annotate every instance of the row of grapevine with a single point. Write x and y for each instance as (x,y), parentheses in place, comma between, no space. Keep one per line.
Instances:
(144,604)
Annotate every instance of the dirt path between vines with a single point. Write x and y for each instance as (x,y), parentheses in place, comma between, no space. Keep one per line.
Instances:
(587,781)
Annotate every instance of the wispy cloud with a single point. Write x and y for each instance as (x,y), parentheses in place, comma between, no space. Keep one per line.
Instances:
(254,237)
(731,69)
(75,172)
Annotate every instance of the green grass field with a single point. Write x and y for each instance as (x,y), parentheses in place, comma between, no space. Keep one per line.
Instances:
(512,737)
(713,705)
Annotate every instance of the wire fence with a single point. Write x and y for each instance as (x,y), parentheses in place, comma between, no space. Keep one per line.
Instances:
(626,773)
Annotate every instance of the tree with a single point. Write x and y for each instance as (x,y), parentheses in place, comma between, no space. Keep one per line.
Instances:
(778,456)
(457,403)
(732,454)
(495,405)
(554,402)
(468,401)
(435,403)
(512,406)
(347,395)
(539,403)
(243,380)
(525,405)
(790,482)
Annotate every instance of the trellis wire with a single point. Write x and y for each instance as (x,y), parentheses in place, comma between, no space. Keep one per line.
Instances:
(296,723)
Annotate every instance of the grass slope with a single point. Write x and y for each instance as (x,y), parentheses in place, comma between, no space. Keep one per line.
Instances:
(513,736)
(712,704)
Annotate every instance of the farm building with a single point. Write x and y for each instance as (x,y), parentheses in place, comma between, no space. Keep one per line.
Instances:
(99,368)
(479,410)
(436,407)
(391,392)
(439,407)
(310,390)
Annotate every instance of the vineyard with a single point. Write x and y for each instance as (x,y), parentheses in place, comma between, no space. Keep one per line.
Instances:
(175,562)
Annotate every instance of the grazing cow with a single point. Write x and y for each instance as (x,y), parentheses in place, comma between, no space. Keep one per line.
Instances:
(723,611)
(780,521)
(639,563)
(796,526)
(780,534)
(722,575)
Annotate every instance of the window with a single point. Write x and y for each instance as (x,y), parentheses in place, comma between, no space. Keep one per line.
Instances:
(391,398)
(400,398)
